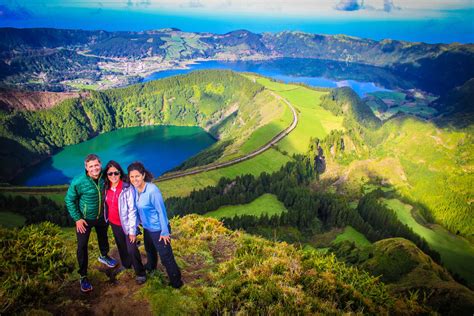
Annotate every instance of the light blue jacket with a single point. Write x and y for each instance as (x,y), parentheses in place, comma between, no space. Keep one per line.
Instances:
(127,210)
(152,210)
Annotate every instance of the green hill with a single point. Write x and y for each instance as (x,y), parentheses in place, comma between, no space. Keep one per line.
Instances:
(344,101)
(406,269)
(426,163)
(456,252)
(313,121)
(239,113)
(224,272)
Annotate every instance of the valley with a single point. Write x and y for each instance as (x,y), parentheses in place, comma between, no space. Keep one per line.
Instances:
(364,181)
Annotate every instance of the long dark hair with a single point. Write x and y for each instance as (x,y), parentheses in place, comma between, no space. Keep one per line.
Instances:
(138,166)
(116,165)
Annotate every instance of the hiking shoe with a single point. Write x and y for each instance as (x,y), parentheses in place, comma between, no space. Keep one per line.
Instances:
(109,262)
(140,280)
(85,285)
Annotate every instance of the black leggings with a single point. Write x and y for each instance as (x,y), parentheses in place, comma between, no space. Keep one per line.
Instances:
(129,253)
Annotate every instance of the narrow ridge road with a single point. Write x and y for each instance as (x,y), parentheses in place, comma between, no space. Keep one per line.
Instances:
(265,147)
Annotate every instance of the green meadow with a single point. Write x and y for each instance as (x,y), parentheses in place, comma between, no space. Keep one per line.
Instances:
(353,235)
(456,252)
(264,134)
(265,204)
(313,120)
(269,161)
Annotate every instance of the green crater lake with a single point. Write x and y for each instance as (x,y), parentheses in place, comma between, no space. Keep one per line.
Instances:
(160,148)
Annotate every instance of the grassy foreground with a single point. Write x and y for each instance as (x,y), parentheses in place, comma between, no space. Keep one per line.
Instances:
(225,272)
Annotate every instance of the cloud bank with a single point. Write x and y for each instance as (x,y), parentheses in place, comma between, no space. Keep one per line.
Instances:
(354,5)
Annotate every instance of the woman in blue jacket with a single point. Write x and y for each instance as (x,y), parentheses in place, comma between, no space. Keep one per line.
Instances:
(153,217)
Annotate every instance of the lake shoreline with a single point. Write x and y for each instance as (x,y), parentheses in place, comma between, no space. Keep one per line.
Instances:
(165,135)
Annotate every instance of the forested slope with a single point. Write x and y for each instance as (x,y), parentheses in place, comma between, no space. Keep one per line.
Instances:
(430,164)
(202,99)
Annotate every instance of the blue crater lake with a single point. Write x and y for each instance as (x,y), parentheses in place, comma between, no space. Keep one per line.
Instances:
(160,148)
(362,79)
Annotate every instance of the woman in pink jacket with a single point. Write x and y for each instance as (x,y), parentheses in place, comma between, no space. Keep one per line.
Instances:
(121,213)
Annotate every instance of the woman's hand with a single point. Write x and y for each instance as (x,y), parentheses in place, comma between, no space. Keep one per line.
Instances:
(132,238)
(166,239)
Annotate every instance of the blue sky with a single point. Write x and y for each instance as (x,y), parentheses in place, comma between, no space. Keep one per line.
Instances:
(428,21)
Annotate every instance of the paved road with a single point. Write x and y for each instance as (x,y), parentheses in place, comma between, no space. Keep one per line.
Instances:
(272,142)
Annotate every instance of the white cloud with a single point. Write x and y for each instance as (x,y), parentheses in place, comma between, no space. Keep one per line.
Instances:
(349,5)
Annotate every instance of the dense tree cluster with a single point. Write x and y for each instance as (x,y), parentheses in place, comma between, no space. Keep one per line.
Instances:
(309,212)
(36,210)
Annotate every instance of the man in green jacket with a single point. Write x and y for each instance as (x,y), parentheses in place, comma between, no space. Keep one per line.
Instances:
(84,201)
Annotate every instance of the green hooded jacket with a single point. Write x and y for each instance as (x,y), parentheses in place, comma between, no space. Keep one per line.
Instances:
(84,198)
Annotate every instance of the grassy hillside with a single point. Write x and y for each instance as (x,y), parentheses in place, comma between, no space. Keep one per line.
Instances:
(406,269)
(426,163)
(409,269)
(313,121)
(224,272)
(429,165)
(456,252)
(437,164)
(198,99)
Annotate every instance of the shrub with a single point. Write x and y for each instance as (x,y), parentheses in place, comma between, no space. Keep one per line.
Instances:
(33,265)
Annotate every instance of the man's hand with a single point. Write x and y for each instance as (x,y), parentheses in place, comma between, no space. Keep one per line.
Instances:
(132,238)
(81,226)
(166,239)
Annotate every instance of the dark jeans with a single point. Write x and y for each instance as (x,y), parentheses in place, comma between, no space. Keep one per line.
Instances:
(154,245)
(129,254)
(83,241)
